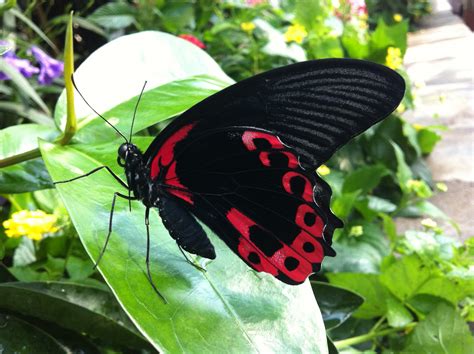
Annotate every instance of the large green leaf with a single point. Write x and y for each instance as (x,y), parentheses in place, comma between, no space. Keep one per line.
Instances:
(443,331)
(81,308)
(30,175)
(116,72)
(227,308)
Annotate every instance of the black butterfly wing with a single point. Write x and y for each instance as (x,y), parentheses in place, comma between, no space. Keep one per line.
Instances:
(315,106)
(243,160)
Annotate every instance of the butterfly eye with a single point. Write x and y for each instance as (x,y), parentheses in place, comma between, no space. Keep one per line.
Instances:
(120,161)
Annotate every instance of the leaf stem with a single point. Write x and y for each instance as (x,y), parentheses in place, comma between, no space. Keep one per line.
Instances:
(366,337)
(24,156)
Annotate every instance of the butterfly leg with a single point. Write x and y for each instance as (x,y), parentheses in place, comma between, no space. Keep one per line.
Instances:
(94,171)
(116,194)
(148,272)
(191,262)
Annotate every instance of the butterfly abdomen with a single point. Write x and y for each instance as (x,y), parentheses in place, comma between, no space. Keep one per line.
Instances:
(184,228)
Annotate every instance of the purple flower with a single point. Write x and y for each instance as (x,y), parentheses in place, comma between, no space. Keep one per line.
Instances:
(22,65)
(49,68)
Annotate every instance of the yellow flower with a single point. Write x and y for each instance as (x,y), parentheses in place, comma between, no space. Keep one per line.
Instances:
(394,58)
(429,223)
(323,170)
(247,26)
(442,186)
(295,33)
(32,224)
(356,231)
(397,17)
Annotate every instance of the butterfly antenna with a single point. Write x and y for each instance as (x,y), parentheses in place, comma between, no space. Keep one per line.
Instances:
(106,121)
(135,111)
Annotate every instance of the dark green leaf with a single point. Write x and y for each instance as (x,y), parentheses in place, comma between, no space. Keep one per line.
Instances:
(336,304)
(80,308)
(443,331)
(18,336)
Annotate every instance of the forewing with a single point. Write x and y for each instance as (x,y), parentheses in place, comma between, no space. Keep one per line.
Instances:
(315,106)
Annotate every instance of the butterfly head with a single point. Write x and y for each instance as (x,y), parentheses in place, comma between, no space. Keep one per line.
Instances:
(128,154)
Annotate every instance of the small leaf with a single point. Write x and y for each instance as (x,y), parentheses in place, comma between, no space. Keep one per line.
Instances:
(336,304)
(364,179)
(397,314)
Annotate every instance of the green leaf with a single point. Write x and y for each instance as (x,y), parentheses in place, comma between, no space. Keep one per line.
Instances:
(80,308)
(397,314)
(364,179)
(404,173)
(428,139)
(405,276)
(114,16)
(18,336)
(443,331)
(386,36)
(106,80)
(229,305)
(369,287)
(336,304)
(29,175)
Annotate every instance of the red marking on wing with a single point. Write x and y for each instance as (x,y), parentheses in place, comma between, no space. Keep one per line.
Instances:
(278,261)
(165,159)
(308,247)
(249,136)
(264,156)
(187,197)
(317,228)
(172,180)
(308,189)
(242,224)
(165,154)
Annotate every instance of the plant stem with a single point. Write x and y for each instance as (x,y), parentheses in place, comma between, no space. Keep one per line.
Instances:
(364,338)
(24,156)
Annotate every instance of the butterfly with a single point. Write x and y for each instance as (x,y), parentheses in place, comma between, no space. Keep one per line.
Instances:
(243,161)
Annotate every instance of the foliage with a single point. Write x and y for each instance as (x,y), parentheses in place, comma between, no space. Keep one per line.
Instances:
(386,291)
